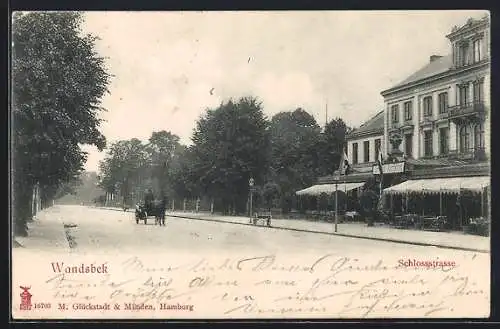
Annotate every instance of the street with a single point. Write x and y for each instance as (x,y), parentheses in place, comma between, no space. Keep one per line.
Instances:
(99,230)
(213,260)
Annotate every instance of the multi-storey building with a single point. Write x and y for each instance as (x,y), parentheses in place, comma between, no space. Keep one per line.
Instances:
(364,143)
(434,134)
(439,119)
(442,109)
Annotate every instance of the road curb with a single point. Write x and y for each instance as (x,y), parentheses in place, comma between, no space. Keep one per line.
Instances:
(342,235)
(423,244)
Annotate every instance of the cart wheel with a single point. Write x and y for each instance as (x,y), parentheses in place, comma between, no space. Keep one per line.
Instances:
(137,220)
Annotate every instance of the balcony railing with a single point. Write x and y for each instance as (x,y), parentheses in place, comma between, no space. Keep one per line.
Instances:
(427,121)
(473,153)
(466,109)
(443,115)
(395,125)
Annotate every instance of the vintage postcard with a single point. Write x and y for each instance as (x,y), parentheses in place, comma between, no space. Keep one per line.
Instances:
(250,165)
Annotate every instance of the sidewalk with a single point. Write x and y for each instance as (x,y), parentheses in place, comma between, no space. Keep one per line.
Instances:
(45,232)
(451,240)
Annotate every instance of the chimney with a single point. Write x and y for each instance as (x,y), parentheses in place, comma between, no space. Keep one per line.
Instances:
(434,57)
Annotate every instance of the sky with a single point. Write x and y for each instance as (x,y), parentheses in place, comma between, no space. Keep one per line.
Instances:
(169,67)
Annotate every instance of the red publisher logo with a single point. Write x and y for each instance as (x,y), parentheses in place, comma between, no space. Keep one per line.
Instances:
(25,299)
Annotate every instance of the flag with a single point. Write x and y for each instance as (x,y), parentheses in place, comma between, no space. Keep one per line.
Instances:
(380,161)
(380,168)
(345,166)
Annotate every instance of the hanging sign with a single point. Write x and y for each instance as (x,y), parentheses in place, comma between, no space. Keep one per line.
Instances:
(390,168)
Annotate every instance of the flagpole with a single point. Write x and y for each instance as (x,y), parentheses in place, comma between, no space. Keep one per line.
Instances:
(337,177)
(336,203)
(380,160)
(343,163)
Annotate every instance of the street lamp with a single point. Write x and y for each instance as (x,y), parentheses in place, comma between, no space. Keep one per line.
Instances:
(336,202)
(251,183)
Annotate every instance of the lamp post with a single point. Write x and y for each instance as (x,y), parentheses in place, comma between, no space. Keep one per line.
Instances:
(336,202)
(251,183)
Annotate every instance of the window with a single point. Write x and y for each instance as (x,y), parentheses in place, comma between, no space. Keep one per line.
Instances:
(479,136)
(444,135)
(443,102)
(463,52)
(428,106)
(476,48)
(408,111)
(366,151)
(464,139)
(378,144)
(395,113)
(428,143)
(478,90)
(409,145)
(354,153)
(463,94)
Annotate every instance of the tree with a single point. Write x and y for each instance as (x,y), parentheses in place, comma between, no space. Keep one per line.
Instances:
(84,190)
(162,149)
(231,145)
(58,82)
(332,145)
(125,168)
(270,192)
(295,150)
(368,200)
(183,181)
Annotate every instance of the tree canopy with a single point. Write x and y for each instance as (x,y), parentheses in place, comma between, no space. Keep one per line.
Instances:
(58,82)
(230,145)
(294,151)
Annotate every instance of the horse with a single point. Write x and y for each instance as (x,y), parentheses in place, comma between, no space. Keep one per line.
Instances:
(155,208)
(159,212)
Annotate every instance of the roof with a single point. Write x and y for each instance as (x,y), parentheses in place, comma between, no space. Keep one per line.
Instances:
(435,162)
(440,185)
(351,178)
(437,66)
(470,24)
(329,188)
(374,125)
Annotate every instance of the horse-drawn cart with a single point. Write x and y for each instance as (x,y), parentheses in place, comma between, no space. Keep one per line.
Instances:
(154,209)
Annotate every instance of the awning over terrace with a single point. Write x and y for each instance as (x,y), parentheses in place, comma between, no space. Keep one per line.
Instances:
(440,185)
(328,188)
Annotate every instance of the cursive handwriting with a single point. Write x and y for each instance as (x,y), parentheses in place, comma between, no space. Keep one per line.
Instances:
(268,285)
(136,264)
(143,295)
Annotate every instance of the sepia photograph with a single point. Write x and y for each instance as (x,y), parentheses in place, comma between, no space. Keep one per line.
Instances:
(250,165)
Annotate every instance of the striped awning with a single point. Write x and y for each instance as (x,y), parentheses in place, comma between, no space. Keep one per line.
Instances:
(441,185)
(328,188)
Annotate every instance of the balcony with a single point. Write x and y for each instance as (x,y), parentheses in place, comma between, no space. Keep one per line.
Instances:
(463,111)
(407,124)
(427,123)
(443,116)
(474,153)
(395,125)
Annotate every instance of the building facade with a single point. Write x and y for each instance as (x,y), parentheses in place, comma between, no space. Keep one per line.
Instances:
(364,143)
(441,111)
(434,135)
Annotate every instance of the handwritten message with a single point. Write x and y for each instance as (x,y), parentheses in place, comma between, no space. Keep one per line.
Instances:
(254,286)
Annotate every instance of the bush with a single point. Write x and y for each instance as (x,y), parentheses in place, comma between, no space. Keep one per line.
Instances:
(478,226)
